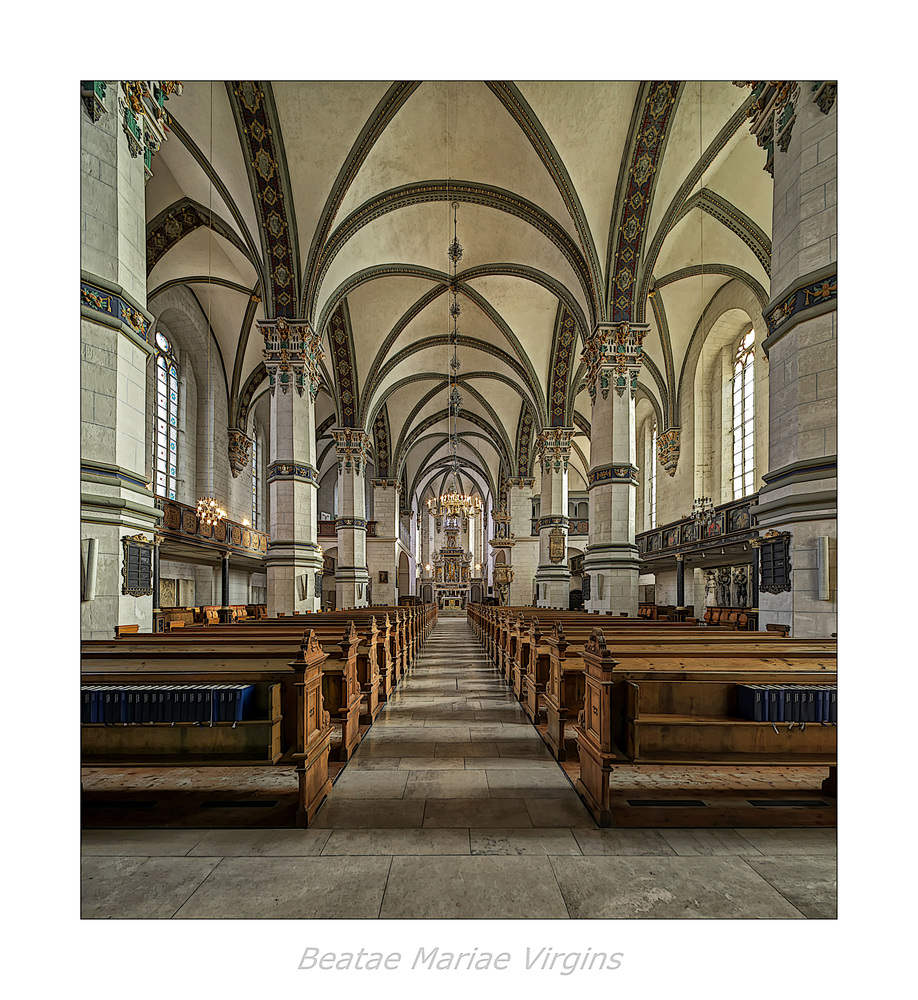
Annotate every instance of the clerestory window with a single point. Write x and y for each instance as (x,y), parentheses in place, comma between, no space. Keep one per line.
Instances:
(165,420)
(744,417)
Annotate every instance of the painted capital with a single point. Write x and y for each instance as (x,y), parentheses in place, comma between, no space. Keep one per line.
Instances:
(613,355)
(144,118)
(239,449)
(386,484)
(772,115)
(292,355)
(520,483)
(554,447)
(352,446)
(668,449)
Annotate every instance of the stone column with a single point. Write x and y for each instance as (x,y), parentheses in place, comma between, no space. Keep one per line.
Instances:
(382,550)
(292,356)
(526,548)
(799,495)
(613,355)
(680,580)
(224,613)
(116,334)
(352,445)
(553,574)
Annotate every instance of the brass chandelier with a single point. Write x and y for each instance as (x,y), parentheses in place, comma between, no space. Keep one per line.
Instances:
(452,503)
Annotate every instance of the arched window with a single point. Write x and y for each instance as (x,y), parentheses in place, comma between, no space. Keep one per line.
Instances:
(256,512)
(743,417)
(653,476)
(165,420)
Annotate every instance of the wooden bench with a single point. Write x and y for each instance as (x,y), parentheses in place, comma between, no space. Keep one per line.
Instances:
(303,733)
(678,707)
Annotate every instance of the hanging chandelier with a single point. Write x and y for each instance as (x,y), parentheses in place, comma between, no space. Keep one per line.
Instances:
(452,503)
(209,511)
(702,512)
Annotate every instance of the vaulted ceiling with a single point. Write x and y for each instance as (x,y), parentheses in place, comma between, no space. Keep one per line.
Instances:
(578,203)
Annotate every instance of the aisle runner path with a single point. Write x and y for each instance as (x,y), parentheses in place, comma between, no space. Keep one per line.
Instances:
(452,807)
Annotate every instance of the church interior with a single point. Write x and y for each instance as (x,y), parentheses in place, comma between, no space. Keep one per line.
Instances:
(458,499)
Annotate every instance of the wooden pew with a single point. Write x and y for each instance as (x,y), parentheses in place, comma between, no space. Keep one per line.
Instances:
(678,706)
(304,730)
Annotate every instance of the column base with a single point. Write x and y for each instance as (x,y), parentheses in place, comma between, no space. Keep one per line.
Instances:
(554,585)
(291,574)
(613,572)
(351,586)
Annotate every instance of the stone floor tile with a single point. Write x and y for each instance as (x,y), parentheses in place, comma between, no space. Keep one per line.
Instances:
(543,840)
(772,841)
(291,888)
(144,843)
(527,783)
(260,843)
(149,888)
(667,887)
(454,783)
(370,784)
(393,842)
(465,750)
(623,842)
(537,765)
(565,810)
(707,842)
(431,763)
(809,883)
(476,813)
(357,814)
(470,888)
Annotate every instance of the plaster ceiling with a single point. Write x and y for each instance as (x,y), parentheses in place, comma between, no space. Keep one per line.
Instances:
(540,170)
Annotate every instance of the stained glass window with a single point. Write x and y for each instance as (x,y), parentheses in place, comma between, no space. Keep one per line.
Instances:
(165,420)
(744,417)
(653,476)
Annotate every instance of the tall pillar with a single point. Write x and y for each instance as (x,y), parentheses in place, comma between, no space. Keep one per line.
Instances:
(526,548)
(382,561)
(553,574)
(613,356)
(680,580)
(293,563)
(224,613)
(116,335)
(352,446)
(799,495)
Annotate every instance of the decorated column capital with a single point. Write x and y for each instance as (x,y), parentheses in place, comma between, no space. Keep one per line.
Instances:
(352,446)
(520,483)
(143,115)
(240,446)
(613,354)
(554,447)
(668,444)
(292,355)
(386,484)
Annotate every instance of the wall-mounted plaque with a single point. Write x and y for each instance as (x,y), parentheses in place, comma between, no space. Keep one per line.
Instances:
(774,561)
(137,566)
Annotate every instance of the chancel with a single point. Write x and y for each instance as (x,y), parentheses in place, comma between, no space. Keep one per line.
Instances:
(458,499)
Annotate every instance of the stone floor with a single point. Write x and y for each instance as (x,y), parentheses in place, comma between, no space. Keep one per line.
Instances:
(452,807)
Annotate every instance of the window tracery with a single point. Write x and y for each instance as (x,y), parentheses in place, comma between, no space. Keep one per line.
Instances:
(165,420)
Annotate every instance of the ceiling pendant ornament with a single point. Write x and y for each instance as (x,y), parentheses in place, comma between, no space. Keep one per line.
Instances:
(452,503)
